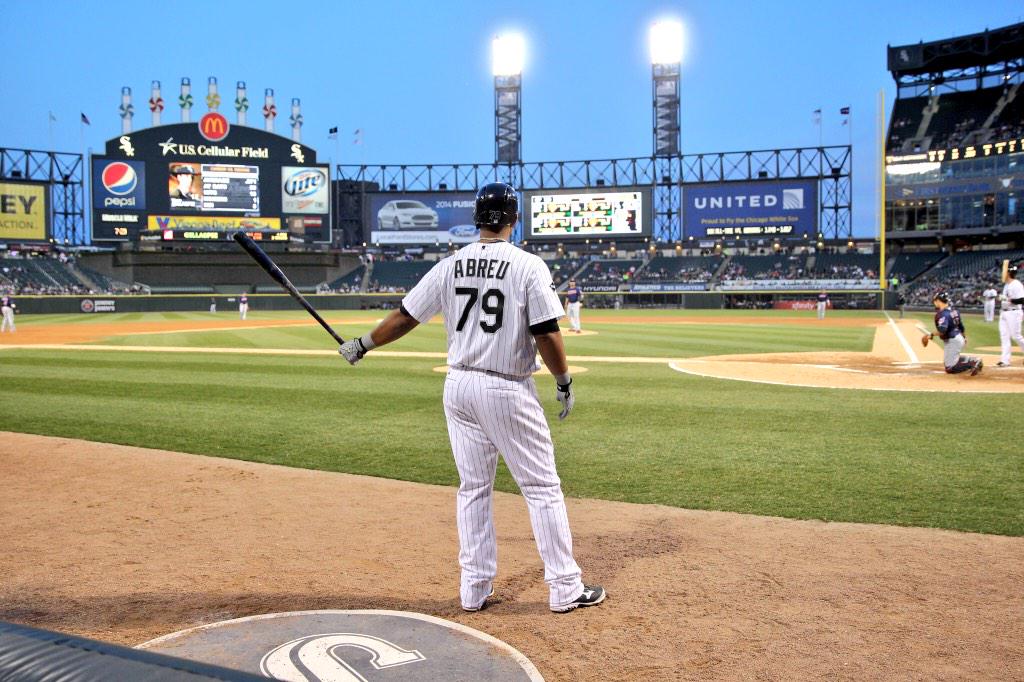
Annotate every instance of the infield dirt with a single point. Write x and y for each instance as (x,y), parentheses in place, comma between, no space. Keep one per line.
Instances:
(126,544)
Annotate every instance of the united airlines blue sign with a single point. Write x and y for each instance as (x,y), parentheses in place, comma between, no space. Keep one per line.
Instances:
(739,210)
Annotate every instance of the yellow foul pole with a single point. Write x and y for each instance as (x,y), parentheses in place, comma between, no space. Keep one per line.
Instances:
(881,187)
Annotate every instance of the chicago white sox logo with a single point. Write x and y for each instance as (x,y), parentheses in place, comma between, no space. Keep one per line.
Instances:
(316,658)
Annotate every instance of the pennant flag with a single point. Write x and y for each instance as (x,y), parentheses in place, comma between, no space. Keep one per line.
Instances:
(845,111)
(846,121)
(332,133)
(53,119)
(357,136)
(85,120)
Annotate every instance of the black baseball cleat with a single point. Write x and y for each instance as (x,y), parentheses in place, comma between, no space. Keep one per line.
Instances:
(483,604)
(592,596)
(1002,364)
(977,367)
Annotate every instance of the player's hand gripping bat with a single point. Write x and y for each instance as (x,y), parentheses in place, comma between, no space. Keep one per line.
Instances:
(265,262)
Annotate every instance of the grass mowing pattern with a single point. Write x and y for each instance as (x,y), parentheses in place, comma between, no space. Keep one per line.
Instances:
(640,433)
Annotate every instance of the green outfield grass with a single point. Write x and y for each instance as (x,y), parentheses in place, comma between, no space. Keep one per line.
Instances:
(640,433)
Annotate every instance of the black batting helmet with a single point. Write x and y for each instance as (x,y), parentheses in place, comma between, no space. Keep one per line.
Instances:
(497,206)
(941,296)
(1012,270)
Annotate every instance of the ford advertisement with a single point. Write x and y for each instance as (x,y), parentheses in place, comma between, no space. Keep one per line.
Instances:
(421,218)
(741,210)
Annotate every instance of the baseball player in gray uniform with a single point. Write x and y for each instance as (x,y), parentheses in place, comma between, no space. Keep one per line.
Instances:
(7,307)
(500,308)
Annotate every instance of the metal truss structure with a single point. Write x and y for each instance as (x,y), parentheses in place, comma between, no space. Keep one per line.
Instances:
(508,119)
(65,172)
(831,166)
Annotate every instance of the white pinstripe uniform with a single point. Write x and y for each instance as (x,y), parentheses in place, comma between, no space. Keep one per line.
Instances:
(490,294)
(7,312)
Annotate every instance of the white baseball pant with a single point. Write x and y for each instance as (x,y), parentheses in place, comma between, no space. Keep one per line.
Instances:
(1009,329)
(8,315)
(574,316)
(990,310)
(821,310)
(489,414)
(243,310)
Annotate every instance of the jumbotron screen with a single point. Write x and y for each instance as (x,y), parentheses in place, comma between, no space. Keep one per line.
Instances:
(617,212)
(202,181)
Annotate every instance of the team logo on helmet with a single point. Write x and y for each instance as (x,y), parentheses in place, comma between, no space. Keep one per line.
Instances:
(119,178)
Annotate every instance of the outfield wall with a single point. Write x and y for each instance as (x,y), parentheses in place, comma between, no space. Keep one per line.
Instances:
(861,300)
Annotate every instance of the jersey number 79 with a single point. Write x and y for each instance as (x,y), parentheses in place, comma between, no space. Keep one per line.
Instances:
(492,304)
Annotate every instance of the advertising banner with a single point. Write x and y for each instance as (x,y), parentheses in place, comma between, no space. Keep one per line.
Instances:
(768,208)
(421,218)
(797,284)
(118,185)
(669,287)
(24,211)
(305,190)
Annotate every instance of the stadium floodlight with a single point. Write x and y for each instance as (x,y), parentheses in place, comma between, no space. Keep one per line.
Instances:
(666,41)
(508,54)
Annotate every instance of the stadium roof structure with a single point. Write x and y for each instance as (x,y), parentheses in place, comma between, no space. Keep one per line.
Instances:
(965,56)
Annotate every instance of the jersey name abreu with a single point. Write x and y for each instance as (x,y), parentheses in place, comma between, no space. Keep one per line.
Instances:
(490,294)
(481,267)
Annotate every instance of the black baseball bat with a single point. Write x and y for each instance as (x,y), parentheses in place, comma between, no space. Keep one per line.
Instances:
(265,262)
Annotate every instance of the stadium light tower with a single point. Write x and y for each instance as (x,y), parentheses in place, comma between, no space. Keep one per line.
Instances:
(508,52)
(666,40)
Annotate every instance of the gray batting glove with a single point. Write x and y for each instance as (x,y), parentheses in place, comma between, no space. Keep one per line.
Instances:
(566,397)
(353,350)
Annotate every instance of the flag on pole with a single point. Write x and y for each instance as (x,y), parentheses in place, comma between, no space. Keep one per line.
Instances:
(85,120)
(53,119)
(845,111)
(817,116)
(357,136)
(332,133)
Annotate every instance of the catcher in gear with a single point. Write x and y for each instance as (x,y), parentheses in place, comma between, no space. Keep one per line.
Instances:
(950,328)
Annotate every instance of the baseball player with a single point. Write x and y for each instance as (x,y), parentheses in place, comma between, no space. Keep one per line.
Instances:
(500,309)
(822,304)
(213,305)
(7,307)
(243,306)
(1010,315)
(990,295)
(951,330)
(573,301)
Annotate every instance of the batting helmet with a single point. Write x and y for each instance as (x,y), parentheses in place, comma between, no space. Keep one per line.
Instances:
(497,206)
(941,296)
(1012,270)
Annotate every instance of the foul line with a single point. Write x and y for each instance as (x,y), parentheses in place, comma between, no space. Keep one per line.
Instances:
(903,341)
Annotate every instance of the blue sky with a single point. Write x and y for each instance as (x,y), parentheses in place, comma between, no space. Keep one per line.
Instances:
(415,76)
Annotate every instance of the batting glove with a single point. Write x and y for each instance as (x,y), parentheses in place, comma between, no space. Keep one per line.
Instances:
(354,349)
(565,396)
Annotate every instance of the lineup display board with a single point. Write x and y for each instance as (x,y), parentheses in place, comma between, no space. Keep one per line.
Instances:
(24,211)
(741,210)
(201,181)
(568,214)
(421,217)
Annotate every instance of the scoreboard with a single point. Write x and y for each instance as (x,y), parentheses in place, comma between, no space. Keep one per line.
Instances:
(201,182)
(567,214)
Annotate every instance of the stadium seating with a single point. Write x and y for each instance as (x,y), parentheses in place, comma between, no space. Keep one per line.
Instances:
(607,272)
(352,281)
(39,276)
(563,268)
(908,266)
(906,118)
(679,269)
(776,266)
(845,266)
(397,276)
(964,275)
(959,115)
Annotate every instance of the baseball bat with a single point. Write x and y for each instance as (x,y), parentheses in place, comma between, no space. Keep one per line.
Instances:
(1004,276)
(272,269)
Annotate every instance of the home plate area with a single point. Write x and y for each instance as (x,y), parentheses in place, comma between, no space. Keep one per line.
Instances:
(349,646)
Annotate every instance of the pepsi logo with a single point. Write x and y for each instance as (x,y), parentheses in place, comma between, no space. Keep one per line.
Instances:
(119,178)
(305,183)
